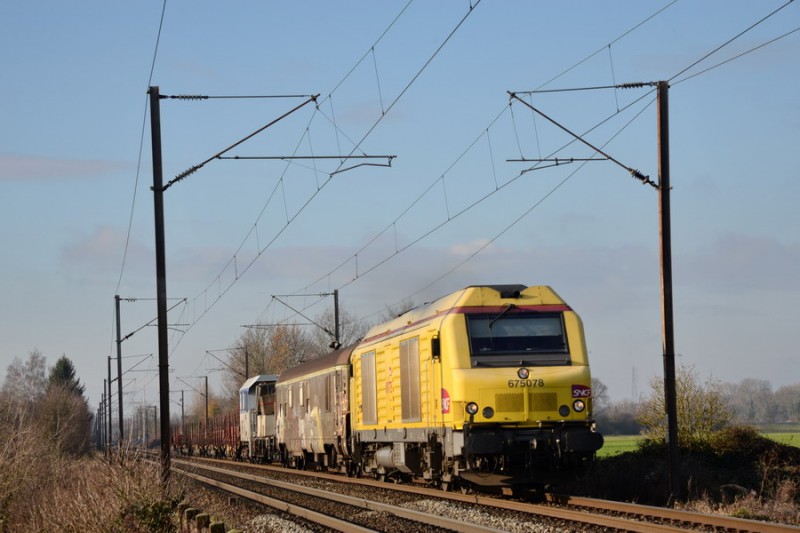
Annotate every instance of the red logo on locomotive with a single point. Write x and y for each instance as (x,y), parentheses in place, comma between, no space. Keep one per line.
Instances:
(581,391)
(445,401)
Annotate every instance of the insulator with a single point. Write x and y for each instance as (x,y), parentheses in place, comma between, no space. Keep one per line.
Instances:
(634,85)
(639,176)
(186,172)
(189,97)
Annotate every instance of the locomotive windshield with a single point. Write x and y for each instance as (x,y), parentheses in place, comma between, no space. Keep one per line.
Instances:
(517,338)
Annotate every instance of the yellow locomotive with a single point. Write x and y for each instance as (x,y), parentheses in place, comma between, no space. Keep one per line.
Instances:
(489,385)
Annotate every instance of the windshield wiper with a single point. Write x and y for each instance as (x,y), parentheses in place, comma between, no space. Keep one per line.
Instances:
(502,313)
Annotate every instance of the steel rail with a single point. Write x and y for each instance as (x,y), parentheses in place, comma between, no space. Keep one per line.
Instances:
(677,515)
(295,510)
(371,505)
(679,520)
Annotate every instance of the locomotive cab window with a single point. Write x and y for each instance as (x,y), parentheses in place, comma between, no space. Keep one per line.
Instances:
(517,337)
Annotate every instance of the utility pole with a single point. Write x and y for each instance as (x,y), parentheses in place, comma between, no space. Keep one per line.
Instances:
(668,341)
(155,423)
(107,411)
(206,378)
(110,432)
(668,335)
(336,319)
(100,420)
(119,370)
(161,278)
(183,417)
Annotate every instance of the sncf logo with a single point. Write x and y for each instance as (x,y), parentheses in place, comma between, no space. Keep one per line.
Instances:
(581,391)
(445,401)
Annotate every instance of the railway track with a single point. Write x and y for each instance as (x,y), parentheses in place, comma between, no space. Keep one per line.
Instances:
(340,512)
(408,508)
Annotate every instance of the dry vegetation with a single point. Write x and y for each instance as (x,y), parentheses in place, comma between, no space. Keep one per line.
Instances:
(737,472)
(740,474)
(48,481)
(85,494)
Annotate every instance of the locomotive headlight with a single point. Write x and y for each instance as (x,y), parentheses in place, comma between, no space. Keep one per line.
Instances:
(488,412)
(523,373)
(472,408)
(578,406)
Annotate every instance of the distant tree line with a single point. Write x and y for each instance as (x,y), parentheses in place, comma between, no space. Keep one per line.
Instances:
(702,407)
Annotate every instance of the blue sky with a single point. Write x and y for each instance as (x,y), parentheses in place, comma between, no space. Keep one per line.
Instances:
(73,107)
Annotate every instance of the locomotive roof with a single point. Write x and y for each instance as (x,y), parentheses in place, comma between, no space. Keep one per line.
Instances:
(323,362)
(473,296)
(247,385)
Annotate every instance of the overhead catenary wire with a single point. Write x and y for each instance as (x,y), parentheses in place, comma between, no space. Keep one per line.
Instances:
(394,224)
(603,48)
(354,257)
(195,168)
(737,56)
(208,306)
(356,147)
(487,243)
(633,172)
(141,148)
(729,41)
(255,228)
(138,172)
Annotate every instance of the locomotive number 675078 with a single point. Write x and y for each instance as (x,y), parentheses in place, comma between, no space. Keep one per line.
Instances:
(522,383)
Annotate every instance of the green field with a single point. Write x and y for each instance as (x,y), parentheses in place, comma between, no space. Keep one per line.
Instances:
(792,439)
(616,444)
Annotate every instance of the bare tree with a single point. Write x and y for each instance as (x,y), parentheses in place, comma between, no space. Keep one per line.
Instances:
(599,396)
(289,345)
(269,350)
(351,329)
(196,404)
(249,356)
(25,381)
(701,409)
(393,311)
(788,398)
(752,401)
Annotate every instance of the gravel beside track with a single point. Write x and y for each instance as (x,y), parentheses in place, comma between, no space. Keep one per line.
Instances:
(513,516)
(492,518)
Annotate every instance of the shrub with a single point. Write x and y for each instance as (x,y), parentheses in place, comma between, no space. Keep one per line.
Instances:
(701,410)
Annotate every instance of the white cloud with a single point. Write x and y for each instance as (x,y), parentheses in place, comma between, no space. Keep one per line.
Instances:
(102,252)
(16,167)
